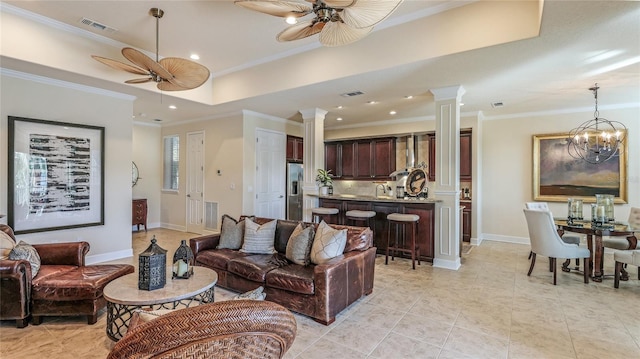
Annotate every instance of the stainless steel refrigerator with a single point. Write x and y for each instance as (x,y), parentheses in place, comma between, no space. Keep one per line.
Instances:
(294,191)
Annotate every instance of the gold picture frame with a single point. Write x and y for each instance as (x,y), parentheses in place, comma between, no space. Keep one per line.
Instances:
(557,176)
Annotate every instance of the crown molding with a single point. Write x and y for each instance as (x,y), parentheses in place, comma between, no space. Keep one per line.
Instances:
(563,111)
(64,84)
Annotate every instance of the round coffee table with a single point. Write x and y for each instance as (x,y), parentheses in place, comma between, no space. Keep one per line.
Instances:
(123,297)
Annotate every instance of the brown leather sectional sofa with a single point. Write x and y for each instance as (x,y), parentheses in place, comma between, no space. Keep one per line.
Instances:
(64,285)
(318,291)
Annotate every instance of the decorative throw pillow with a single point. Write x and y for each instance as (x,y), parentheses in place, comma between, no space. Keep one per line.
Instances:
(299,245)
(258,239)
(328,243)
(26,251)
(6,245)
(231,233)
(256,294)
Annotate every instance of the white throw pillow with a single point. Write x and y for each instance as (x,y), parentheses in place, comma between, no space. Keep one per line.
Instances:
(259,239)
(6,245)
(328,243)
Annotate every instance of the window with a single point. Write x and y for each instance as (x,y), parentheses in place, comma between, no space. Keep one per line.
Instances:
(171,160)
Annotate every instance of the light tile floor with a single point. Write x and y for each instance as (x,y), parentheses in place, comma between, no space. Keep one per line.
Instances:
(487,309)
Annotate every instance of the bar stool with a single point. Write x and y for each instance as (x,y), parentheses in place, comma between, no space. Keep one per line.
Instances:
(356,216)
(401,219)
(319,213)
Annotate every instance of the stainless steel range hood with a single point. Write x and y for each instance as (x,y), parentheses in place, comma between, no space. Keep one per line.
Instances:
(410,158)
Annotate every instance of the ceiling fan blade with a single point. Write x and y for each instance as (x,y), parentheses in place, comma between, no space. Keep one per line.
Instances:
(145,62)
(168,86)
(276,7)
(139,81)
(121,65)
(186,74)
(367,13)
(339,4)
(336,33)
(300,31)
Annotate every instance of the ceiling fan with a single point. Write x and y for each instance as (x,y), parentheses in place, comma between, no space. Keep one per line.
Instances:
(339,22)
(170,73)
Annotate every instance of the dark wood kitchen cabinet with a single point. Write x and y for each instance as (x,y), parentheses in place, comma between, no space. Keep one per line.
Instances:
(466,153)
(466,221)
(361,159)
(295,149)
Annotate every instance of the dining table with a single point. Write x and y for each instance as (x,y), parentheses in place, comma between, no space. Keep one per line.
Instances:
(595,233)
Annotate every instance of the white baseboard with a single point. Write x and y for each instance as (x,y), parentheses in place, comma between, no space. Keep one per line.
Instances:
(107,257)
(475,241)
(507,239)
(447,264)
(175,227)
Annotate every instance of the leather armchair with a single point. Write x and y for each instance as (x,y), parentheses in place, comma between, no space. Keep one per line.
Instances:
(64,285)
(230,329)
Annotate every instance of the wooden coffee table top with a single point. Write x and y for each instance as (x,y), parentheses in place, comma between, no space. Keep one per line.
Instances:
(124,290)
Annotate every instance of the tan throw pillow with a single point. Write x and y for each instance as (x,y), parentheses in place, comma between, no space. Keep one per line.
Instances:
(328,243)
(258,239)
(299,245)
(231,233)
(26,251)
(6,245)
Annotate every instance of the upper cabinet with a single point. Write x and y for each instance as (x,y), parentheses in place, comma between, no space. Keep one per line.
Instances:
(295,148)
(465,155)
(361,159)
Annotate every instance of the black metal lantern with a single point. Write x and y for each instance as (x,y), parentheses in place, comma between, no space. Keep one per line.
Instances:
(152,267)
(183,261)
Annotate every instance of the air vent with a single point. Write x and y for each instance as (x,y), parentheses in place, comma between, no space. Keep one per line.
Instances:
(497,104)
(96,25)
(352,93)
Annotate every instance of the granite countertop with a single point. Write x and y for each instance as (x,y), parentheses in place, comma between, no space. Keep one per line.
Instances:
(352,197)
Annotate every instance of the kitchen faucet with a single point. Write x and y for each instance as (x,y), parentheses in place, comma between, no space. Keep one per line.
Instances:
(383,189)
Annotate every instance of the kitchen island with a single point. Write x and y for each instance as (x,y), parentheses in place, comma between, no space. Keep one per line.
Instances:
(382,205)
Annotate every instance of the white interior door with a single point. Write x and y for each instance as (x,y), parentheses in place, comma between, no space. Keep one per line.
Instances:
(270,174)
(195,180)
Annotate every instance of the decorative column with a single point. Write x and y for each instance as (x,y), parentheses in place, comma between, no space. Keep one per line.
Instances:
(447,186)
(313,158)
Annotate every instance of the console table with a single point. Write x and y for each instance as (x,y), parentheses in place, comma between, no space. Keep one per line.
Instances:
(123,297)
(139,213)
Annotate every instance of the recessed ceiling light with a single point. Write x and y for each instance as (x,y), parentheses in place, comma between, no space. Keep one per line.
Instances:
(195,57)
(461,104)
(173,107)
(372,102)
(408,97)
(339,119)
(291,20)
(392,112)
(339,107)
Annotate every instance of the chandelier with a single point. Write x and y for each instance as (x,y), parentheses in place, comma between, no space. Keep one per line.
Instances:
(596,141)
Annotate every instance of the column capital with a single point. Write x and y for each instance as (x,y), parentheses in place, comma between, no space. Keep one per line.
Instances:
(448,93)
(313,113)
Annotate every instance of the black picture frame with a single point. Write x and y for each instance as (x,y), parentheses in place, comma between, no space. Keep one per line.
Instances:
(56,175)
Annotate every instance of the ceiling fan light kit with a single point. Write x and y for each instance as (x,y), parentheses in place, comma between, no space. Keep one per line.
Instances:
(169,73)
(339,22)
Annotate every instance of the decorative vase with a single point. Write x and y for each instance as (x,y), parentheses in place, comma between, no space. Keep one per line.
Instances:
(324,190)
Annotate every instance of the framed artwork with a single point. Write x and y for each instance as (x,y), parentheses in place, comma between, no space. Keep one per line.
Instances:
(557,176)
(56,175)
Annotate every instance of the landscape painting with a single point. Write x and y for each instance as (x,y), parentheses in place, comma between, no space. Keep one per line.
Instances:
(558,176)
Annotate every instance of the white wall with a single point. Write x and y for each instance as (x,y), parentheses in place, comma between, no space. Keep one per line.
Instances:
(507,170)
(147,154)
(35,97)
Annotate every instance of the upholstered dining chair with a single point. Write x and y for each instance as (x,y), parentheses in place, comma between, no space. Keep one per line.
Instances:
(546,241)
(228,329)
(623,243)
(625,257)
(567,238)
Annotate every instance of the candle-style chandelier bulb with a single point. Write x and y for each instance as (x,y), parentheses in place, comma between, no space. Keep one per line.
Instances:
(596,141)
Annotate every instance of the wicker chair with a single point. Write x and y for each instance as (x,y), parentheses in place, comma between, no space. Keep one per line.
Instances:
(230,329)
